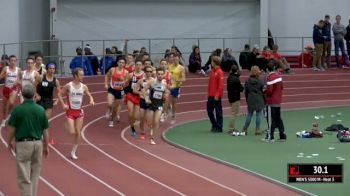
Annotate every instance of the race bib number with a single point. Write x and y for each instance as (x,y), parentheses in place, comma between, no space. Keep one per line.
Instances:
(118,84)
(76,103)
(133,86)
(158,95)
(10,80)
(45,84)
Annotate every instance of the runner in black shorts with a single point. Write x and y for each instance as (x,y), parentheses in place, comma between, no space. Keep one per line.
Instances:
(143,105)
(116,80)
(45,88)
(158,92)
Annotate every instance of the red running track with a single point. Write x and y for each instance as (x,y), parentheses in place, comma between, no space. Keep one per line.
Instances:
(113,163)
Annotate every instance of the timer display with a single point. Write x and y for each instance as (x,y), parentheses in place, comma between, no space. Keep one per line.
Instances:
(315,173)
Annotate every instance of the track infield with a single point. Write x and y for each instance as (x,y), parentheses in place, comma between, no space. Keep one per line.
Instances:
(271,159)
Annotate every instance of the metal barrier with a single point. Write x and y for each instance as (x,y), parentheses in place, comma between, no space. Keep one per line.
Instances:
(63,51)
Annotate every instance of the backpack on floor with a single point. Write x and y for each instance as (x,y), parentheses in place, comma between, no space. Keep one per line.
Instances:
(336,128)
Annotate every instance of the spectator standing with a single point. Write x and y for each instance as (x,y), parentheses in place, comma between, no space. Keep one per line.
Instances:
(255,99)
(28,124)
(347,38)
(82,62)
(195,60)
(273,92)
(227,60)
(234,89)
(318,39)
(327,46)
(92,58)
(106,62)
(215,90)
(243,57)
(339,32)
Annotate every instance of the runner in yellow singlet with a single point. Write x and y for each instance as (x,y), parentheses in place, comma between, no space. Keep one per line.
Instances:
(177,77)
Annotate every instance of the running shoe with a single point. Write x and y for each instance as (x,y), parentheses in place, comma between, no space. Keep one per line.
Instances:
(133,133)
(111,123)
(152,141)
(73,156)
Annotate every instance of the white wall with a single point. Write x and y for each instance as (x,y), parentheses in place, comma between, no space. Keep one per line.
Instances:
(107,19)
(34,23)
(9,17)
(23,20)
(295,18)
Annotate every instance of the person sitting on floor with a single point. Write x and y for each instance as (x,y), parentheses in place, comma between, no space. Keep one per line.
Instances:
(306,57)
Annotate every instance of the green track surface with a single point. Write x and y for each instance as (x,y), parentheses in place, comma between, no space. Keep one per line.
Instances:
(271,159)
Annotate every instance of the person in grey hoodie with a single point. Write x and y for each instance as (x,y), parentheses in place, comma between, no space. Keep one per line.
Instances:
(255,99)
(339,32)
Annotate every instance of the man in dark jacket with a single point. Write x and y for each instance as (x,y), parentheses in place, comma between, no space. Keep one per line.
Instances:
(318,40)
(327,46)
(234,89)
(92,58)
(243,57)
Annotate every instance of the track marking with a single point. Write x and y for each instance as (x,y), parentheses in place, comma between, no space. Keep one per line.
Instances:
(78,167)
(40,177)
(2,194)
(120,162)
(178,166)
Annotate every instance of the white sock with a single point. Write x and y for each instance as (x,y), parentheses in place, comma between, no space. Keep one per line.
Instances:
(74,149)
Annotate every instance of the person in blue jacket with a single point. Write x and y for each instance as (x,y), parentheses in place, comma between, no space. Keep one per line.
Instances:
(106,62)
(82,62)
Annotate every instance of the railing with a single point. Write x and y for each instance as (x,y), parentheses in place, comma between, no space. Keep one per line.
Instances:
(63,51)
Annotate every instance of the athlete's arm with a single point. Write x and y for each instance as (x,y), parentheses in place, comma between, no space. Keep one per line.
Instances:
(183,75)
(58,87)
(146,88)
(87,92)
(3,73)
(63,92)
(126,80)
(137,87)
(108,77)
(37,78)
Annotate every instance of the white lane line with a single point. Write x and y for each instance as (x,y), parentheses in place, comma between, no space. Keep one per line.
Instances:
(178,166)
(40,177)
(120,162)
(78,167)
(2,194)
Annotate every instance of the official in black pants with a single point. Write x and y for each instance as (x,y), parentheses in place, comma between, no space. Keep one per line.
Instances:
(273,91)
(215,90)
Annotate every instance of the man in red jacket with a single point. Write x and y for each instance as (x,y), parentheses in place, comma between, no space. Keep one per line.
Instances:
(215,90)
(273,91)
